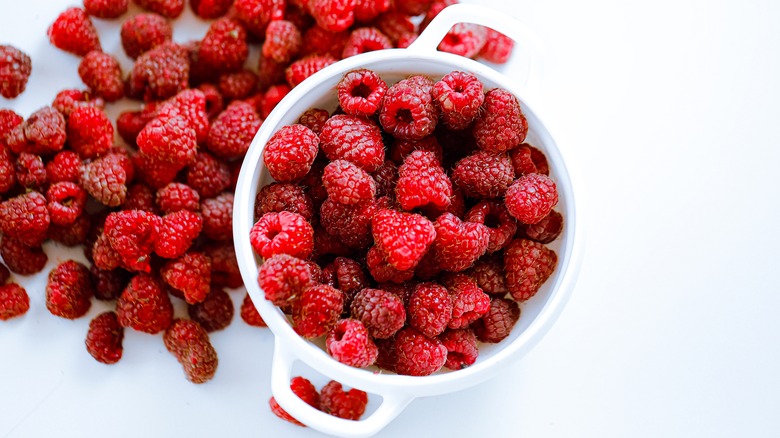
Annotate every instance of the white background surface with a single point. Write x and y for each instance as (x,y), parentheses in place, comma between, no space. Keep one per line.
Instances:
(669,112)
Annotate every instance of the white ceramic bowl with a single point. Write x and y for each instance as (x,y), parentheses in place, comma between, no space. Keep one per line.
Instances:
(538,313)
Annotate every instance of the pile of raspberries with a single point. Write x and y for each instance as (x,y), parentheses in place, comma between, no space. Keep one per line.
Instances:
(406,227)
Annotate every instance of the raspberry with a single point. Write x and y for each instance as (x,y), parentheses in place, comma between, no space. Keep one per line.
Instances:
(189,274)
(494,215)
(25,218)
(108,285)
(102,74)
(402,237)
(522,161)
(349,276)
(312,182)
(104,256)
(20,258)
(365,39)
(217,214)
(214,101)
(412,7)
(430,309)
(484,174)
(72,234)
(527,265)
(349,343)
(290,152)
(189,342)
(367,10)
(143,32)
(498,47)
(207,175)
(546,230)
(349,223)
(65,166)
(277,197)
(65,202)
(191,106)
(417,354)
(458,96)
(360,92)
(232,131)
(498,321)
(273,95)
(209,9)
(408,111)
(7,170)
(130,123)
(394,24)
(283,278)
(14,301)
(90,132)
(314,119)
(406,40)
(224,265)
(317,310)
(422,181)
(69,290)
(283,41)
(353,139)
(386,177)
(104,338)
(42,133)
(224,48)
(159,73)
(464,39)
(171,140)
(461,347)
(166,8)
(349,405)
(325,243)
(249,313)
(177,196)
(176,233)
(386,358)
(318,41)
(382,271)
(459,243)
(106,9)
(301,69)
(282,233)
(156,173)
(74,32)
(5,274)
(469,302)
(256,14)
(139,197)
(8,121)
(348,184)
(132,233)
(30,171)
(144,305)
(400,149)
(15,69)
(105,180)
(68,100)
(215,312)
(501,125)
(237,85)
(531,197)
(333,15)
(305,390)
(382,312)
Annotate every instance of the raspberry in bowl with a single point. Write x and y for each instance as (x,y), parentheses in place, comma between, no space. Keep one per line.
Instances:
(412,201)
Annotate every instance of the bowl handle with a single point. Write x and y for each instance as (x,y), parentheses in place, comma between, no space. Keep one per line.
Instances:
(281,374)
(527,71)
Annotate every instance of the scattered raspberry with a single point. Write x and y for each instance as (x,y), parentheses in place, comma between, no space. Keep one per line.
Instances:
(30,171)
(232,131)
(282,233)
(283,278)
(166,8)
(494,215)
(301,69)
(224,265)
(207,175)
(484,174)
(67,101)
(14,301)
(105,180)
(42,133)
(458,96)
(132,234)
(102,74)
(237,85)
(66,202)
(283,41)
(139,197)
(209,9)
(464,39)
(367,10)
(501,125)
(224,48)
(531,197)
(469,302)
(546,230)
(217,214)
(539,159)
(7,170)
(72,234)
(144,31)
(144,305)
(191,106)
(353,139)
(402,237)
(65,166)
(108,284)
(20,258)
(333,15)
(160,72)
(25,218)
(417,354)
(395,25)
(461,347)
(256,14)
(408,111)
(215,312)
(74,32)
(190,274)
(421,181)
(130,123)
(189,342)
(90,132)
(305,390)
(349,343)
(498,321)
(360,92)
(69,290)
(382,312)
(273,95)
(177,196)
(171,140)
(104,338)
(103,255)
(15,69)
(349,405)
(412,7)
(498,47)
(406,40)
(107,9)
(156,173)
(488,272)
(314,119)
(176,233)
(290,152)
(318,41)
(8,121)
(249,313)
(459,243)
(277,197)
(317,310)
(365,39)
(522,161)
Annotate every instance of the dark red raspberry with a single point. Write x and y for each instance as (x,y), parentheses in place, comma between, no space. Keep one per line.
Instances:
(142,32)
(290,152)
(256,14)
(215,312)
(171,140)
(349,343)
(317,310)
(25,218)
(224,265)
(42,133)
(190,274)
(232,131)
(459,243)
(5,274)
(484,174)
(408,111)
(68,100)
(65,166)
(349,276)
(90,132)
(166,8)
(277,197)
(20,258)
(498,47)
(144,305)
(108,284)
(301,69)
(469,302)
(527,265)
(365,39)
(15,69)
(387,357)
(305,390)
(105,180)
(367,10)
(159,73)
(177,231)
(403,238)
(224,48)
(103,255)
(360,92)
(106,8)
(69,290)
(386,178)
(353,139)
(190,343)
(382,312)
(462,350)
(237,85)
(522,161)
(312,183)
(400,149)
(72,234)
(66,201)
(348,184)
(464,39)
(458,96)
(139,197)
(494,215)
(417,354)
(209,9)
(325,243)
(214,102)
(349,405)
(14,301)
(531,197)
(217,214)
(74,32)
(207,175)
(395,24)
(488,272)
(177,196)
(103,75)
(132,234)
(283,41)
(318,41)
(422,181)
(430,309)
(382,271)
(314,119)
(498,322)
(349,223)
(30,171)
(7,170)
(104,338)
(249,313)
(412,7)
(546,230)
(333,15)
(501,126)
(283,279)
(282,233)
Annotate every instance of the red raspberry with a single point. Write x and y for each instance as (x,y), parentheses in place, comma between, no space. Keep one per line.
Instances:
(382,312)
(20,258)
(317,310)
(387,357)
(498,47)
(8,121)
(365,39)
(156,173)
(400,149)
(15,69)
(7,170)
(207,175)
(249,313)
(69,290)
(408,111)
(177,196)
(333,15)
(30,171)
(290,152)
(214,101)
(215,312)
(402,237)
(232,131)
(459,243)
(90,132)
(367,10)
(130,123)
(273,95)
(224,48)
(283,278)
(209,9)
(325,243)
(353,139)
(348,184)
(102,74)
(394,24)
(132,233)
(190,274)
(464,39)
(191,106)
(166,8)
(176,233)
(412,7)
(469,302)
(349,223)
(68,100)
(42,133)
(343,404)
(66,201)
(104,338)
(72,234)
(305,390)
(349,343)
(382,271)
(462,350)
(498,321)
(25,218)
(430,309)
(349,276)
(283,41)
(301,69)
(237,85)
(546,230)
(417,354)
(527,265)
(422,181)
(277,197)
(139,197)
(171,140)
(256,14)
(501,125)
(386,177)
(159,73)
(105,8)
(74,32)
(143,32)
(144,305)
(190,343)
(531,197)
(406,40)
(494,215)
(312,182)
(282,233)
(65,166)
(360,92)
(103,255)
(484,174)
(458,96)
(5,274)
(318,41)
(217,214)
(314,119)
(108,284)
(522,161)
(14,301)
(105,180)
(224,265)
